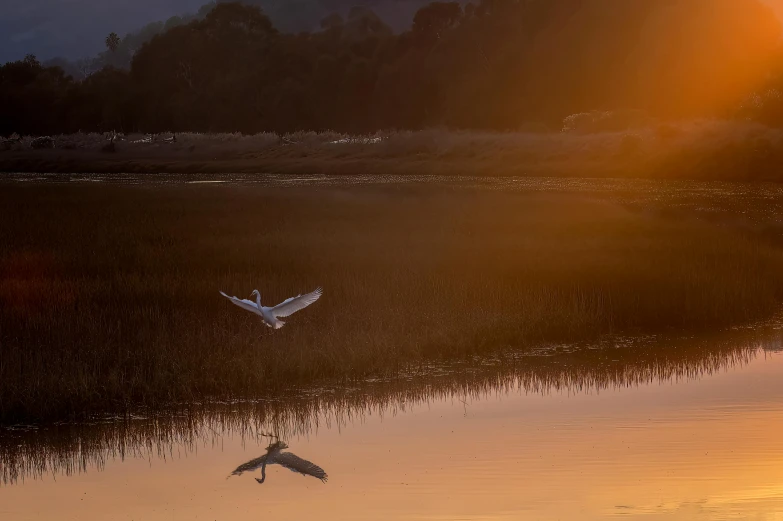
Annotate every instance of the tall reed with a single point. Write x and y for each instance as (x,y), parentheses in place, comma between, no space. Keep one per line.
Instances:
(109,295)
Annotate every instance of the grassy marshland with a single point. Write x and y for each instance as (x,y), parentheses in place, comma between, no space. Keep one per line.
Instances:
(109,294)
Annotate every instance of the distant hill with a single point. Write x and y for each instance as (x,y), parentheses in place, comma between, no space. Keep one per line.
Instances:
(74,29)
(77,28)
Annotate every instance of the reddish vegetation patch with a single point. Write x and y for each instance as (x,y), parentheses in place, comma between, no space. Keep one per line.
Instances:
(26,281)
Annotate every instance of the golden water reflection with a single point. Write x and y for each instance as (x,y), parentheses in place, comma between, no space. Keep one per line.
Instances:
(651,428)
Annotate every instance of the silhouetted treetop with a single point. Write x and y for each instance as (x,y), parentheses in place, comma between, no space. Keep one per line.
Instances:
(495,64)
(432,20)
(112,42)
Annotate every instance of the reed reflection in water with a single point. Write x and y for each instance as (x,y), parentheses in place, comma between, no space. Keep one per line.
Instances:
(28,452)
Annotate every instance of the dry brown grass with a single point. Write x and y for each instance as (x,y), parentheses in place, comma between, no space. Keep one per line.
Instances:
(109,295)
(691,149)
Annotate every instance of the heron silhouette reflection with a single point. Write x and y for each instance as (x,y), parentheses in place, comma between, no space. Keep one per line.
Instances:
(275,456)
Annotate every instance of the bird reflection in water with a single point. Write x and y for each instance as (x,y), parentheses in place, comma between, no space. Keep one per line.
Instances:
(275,456)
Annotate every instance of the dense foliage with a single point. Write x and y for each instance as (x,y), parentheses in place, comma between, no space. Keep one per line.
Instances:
(499,64)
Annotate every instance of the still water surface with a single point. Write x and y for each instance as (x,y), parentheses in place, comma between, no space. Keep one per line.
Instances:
(740,202)
(657,428)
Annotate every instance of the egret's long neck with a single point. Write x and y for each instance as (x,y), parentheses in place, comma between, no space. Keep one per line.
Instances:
(258,299)
(263,473)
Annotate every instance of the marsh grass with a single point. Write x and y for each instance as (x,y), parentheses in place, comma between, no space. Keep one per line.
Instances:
(109,294)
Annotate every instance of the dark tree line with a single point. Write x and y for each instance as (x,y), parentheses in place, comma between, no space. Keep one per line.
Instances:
(496,64)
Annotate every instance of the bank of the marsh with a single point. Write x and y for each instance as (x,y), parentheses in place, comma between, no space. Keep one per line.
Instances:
(109,294)
(717,150)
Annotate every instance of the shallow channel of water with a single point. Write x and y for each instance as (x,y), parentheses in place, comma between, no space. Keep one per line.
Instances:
(654,428)
(748,202)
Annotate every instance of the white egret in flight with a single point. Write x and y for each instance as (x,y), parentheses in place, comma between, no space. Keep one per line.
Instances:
(291,461)
(271,316)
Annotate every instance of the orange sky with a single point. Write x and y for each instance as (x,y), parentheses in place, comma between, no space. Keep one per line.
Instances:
(777,5)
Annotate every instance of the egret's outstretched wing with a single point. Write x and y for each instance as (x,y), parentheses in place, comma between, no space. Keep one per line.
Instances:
(296,464)
(294,304)
(249,466)
(249,305)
